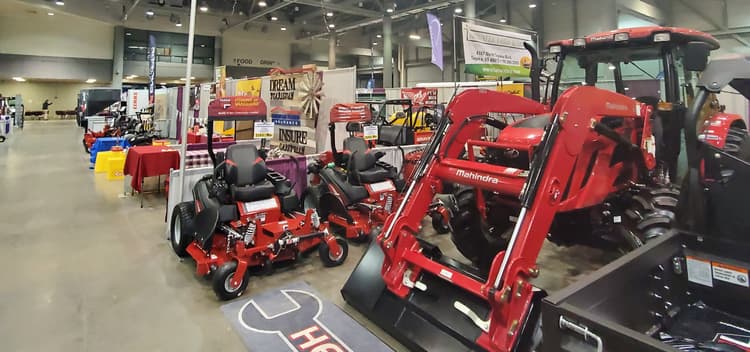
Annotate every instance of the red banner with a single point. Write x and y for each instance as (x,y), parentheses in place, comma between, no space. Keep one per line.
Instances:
(239,107)
(420,96)
(351,113)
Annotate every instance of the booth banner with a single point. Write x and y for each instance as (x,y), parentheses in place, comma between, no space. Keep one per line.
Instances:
(248,87)
(420,96)
(263,130)
(495,52)
(350,112)
(236,107)
(151,68)
(220,77)
(294,107)
(513,88)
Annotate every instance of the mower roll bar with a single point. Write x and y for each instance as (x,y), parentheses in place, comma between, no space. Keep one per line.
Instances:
(219,110)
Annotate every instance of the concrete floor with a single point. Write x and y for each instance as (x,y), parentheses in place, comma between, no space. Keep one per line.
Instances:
(85,269)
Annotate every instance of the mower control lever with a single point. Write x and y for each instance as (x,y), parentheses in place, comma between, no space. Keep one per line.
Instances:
(608,132)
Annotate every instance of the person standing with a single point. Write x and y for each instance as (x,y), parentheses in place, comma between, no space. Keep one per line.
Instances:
(45,108)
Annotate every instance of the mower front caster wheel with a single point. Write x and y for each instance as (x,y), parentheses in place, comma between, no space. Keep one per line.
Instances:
(333,259)
(182,229)
(222,282)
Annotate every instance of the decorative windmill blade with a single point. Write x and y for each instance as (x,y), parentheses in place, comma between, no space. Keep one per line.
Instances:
(311,89)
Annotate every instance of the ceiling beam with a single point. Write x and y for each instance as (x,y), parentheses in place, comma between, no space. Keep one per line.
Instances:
(395,17)
(711,21)
(351,10)
(129,10)
(261,13)
(644,9)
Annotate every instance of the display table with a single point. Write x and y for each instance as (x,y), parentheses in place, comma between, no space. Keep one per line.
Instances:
(202,138)
(104,144)
(149,161)
(200,158)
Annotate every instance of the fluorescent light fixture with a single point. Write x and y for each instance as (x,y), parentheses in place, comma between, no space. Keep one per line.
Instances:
(262,3)
(458,10)
(414,37)
(50,14)
(203,7)
(611,67)
(329,14)
(283,28)
(185,79)
(374,43)
(331,25)
(532,5)
(503,20)
(203,45)
(379,36)
(19,79)
(90,80)
(59,2)
(150,13)
(128,33)
(274,18)
(389,10)
(178,24)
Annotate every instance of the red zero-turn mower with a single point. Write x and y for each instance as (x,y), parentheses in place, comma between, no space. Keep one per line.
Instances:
(243,216)
(586,182)
(352,189)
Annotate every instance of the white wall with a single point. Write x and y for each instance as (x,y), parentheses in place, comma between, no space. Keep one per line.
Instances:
(255,47)
(62,95)
(59,35)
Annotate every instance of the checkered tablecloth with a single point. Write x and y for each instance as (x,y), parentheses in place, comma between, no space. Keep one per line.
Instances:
(199,158)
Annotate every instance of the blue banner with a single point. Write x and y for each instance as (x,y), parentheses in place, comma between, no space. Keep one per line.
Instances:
(151,68)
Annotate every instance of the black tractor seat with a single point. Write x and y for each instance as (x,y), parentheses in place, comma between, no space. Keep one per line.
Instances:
(245,173)
(362,162)
(350,193)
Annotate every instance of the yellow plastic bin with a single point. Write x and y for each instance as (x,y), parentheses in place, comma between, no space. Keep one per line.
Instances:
(115,166)
(102,161)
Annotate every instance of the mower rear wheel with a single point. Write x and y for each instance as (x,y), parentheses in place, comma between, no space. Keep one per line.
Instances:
(222,282)
(182,228)
(328,258)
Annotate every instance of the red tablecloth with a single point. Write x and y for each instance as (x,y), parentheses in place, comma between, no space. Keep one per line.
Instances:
(149,161)
(202,138)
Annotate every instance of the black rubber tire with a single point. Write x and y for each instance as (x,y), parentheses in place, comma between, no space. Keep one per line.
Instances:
(182,216)
(651,214)
(220,284)
(471,235)
(439,225)
(325,253)
(85,148)
(737,143)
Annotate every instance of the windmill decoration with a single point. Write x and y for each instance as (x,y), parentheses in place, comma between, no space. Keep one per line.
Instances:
(311,92)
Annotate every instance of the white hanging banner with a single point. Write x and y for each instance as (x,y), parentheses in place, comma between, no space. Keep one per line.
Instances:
(495,52)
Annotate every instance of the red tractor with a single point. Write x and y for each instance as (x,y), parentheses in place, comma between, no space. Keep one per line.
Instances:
(592,171)
(244,216)
(352,189)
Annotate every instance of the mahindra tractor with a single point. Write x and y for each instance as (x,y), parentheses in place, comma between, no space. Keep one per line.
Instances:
(591,168)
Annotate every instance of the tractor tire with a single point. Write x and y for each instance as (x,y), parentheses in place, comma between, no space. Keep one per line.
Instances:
(328,258)
(2,139)
(651,213)
(221,282)
(182,229)
(471,234)
(737,143)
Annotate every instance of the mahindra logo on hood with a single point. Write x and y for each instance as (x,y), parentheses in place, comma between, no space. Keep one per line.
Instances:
(477,176)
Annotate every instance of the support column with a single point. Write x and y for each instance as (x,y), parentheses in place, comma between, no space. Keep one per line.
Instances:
(402,54)
(470,9)
(332,50)
(118,56)
(387,48)
(218,50)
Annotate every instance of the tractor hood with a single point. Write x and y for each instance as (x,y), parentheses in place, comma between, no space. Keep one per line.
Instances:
(526,131)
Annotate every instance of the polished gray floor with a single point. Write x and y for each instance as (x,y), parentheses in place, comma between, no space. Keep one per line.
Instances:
(85,269)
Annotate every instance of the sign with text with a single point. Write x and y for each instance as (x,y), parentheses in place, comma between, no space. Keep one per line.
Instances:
(220,77)
(370,132)
(248,87)
(350,112)
(513,88)
(263,130)
(294,99)
(239,108)
(420,96)
(495,52)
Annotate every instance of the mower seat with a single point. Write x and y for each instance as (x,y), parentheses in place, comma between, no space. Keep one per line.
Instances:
(350,193)
(245,173)
(363,166)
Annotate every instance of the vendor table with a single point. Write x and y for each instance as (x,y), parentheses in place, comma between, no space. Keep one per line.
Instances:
(202,138)
(104,144)
(148,161)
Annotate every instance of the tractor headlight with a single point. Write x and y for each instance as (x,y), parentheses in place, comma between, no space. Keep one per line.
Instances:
(621,37)
(555,49)
(662,37)
(581,42)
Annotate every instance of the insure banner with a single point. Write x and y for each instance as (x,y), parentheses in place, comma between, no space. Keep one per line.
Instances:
(495,52)
(293,107)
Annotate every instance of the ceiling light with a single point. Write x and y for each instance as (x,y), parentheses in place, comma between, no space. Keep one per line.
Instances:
(283,28)
(262,3)
(532,5)
(331,25)
(374,43)
(274,18)
(414,37)
(389,10)
(178,24)
(59,2)
(503,20)
(611,67)
(128,33)
(19,79)
(50,14)
(150,13)
(379,36)
(458,10)
(360,4)
(90,80)
(203,45)
(204,8)
(329,14)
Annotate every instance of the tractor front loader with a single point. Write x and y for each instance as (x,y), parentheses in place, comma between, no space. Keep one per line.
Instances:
(594,147)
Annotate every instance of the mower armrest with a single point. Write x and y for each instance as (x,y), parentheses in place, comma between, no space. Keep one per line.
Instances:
(379,154)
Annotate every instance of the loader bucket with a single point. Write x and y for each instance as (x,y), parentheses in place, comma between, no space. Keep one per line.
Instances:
(424,321)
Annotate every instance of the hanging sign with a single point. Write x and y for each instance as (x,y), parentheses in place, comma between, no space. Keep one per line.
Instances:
(294,105)
(350,112)
(370,132)
(220,77)
(263,130)
(420,96)
(245,108)
(151,68)
(495,52)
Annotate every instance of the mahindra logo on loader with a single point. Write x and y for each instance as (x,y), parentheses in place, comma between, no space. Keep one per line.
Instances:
(477,177)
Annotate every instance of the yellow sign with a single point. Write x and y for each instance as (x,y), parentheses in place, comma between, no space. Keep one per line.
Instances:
(248,88)
(220,77)
(513,88)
